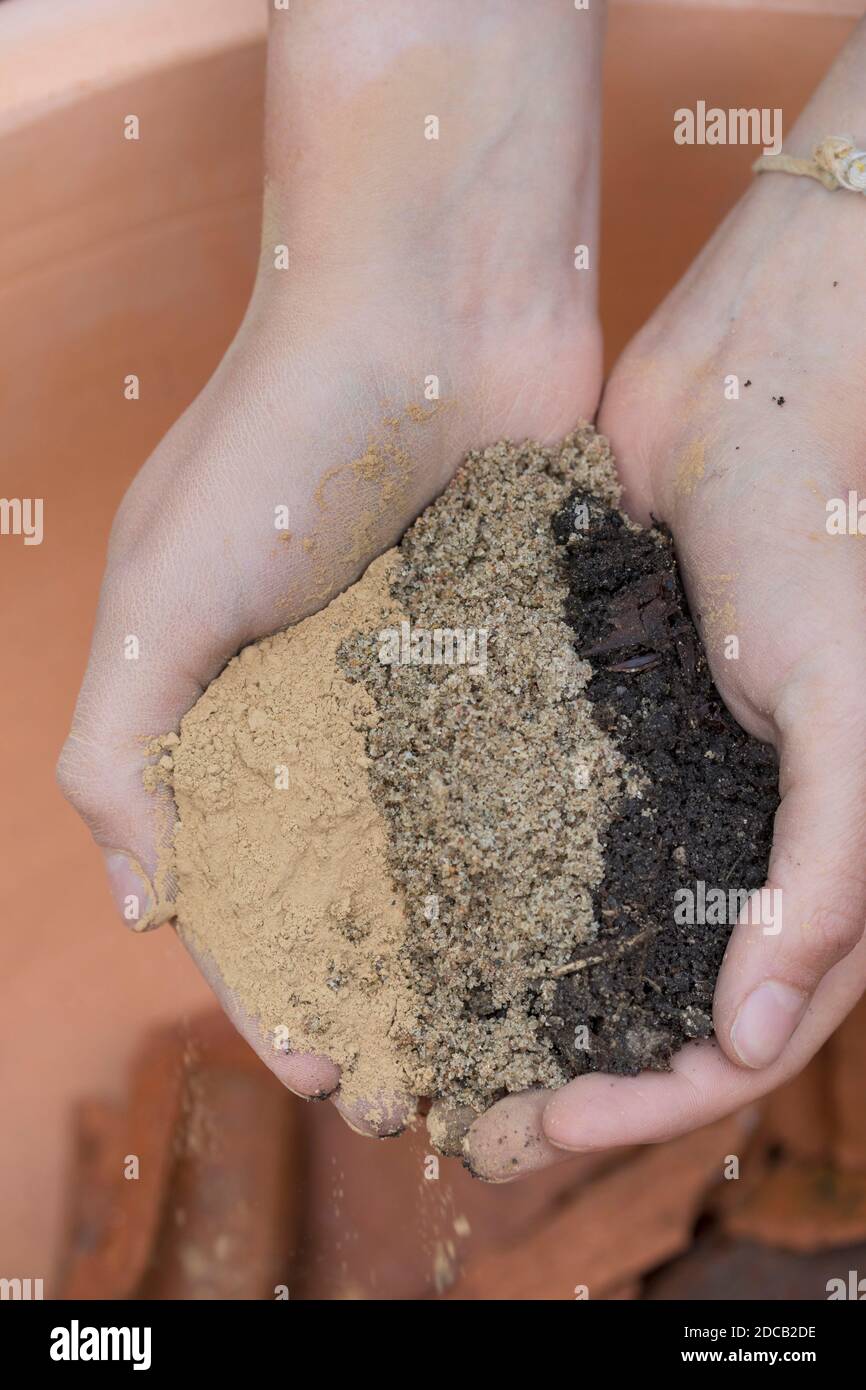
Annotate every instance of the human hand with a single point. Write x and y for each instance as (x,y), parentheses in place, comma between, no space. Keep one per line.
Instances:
(407,258)
(776,300)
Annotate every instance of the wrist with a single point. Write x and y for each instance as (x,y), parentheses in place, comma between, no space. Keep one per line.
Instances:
(366,190)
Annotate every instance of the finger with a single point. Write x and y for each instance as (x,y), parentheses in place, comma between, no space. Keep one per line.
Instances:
(448,1125)
(811,914)
(381,1116)
(305,1074)
(508,1141)
(312,1076)
(600,1112)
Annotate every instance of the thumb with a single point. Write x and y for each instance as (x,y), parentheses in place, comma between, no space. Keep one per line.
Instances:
(812,912)
(156,645)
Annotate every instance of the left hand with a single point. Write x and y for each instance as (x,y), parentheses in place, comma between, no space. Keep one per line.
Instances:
(743,485)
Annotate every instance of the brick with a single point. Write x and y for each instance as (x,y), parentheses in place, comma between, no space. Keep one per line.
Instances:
(108,1260)
(847,1080)
(799,1117)
(619,1226)
(216,1210)
(719,1269)
(802,1207)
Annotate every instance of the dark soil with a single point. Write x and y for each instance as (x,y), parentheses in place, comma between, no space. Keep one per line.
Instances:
(645,985)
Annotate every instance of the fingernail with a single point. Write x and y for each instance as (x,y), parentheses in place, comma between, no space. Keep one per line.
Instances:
(131,890)
(318,1095)
(765,1022)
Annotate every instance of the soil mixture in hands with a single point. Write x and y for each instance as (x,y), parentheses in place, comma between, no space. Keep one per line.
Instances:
(436,831)
(704,813)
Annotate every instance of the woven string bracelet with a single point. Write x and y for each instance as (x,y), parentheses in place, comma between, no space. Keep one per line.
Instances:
(837,163)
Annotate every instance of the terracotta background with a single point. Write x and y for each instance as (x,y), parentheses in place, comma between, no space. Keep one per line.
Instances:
(119,257)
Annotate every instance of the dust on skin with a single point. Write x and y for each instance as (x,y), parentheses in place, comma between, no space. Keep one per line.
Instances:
(718,615)
(719,624)
(384,469)
(691,468)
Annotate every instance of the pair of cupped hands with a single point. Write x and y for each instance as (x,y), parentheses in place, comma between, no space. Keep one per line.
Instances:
(484,296)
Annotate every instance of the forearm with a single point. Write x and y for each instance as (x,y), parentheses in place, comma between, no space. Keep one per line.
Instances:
(838,107)
(359,180)
(833,219)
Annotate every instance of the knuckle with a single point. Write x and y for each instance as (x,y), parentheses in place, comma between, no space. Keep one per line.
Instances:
(79,781)
(66,774)
(832,931)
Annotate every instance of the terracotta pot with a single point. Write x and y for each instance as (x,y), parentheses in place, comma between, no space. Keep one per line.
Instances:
(126,256)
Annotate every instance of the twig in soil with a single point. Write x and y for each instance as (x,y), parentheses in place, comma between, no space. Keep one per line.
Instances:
(573,966)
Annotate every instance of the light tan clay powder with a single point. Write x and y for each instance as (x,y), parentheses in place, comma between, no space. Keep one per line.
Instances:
(279,851)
